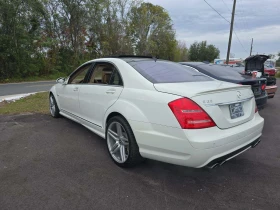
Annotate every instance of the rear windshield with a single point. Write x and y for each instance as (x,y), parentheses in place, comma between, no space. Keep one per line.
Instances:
(219,71)
(167,72)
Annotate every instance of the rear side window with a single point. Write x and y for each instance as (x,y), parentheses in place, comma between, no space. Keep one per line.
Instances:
(167,72)
(116,78)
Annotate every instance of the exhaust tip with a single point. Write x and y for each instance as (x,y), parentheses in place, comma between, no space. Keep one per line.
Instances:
(222,163)
(216,165)
(256,144)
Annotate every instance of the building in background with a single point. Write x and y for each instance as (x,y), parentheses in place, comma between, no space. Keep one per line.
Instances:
(231,61)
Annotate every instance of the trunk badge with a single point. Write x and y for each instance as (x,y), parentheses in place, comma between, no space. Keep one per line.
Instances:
(238,93)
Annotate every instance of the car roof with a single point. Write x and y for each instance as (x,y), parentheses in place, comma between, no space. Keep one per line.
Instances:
(129,58)
(220,72)
(192,63)
(125,58)
(227,67)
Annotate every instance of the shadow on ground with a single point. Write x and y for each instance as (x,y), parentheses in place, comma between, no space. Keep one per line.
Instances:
(48,163)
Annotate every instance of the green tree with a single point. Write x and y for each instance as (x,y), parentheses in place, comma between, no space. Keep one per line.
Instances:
(203,52)
(278,60)
(181,52)
(150,28)
(45,37)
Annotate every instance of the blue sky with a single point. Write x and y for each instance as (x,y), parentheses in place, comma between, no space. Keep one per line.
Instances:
(194,20)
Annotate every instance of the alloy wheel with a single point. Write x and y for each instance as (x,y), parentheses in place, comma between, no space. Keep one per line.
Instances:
(52,106)
(117,141)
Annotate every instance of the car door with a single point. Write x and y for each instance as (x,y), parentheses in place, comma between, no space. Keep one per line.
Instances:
(104,88)
(68,94)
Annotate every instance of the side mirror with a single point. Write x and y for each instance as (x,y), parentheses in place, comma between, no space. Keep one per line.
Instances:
(61,80)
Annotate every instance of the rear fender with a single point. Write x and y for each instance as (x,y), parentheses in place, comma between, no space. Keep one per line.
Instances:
(127,109)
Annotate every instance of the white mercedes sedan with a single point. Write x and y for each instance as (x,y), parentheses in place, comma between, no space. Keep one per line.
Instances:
(161,110)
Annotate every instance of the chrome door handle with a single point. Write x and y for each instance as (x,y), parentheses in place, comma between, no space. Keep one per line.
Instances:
(111,91)
(76,89)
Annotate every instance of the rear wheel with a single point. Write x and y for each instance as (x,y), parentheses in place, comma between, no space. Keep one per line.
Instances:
(53,107)
(121,143)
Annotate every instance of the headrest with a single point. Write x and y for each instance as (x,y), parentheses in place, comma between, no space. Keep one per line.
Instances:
(107,69)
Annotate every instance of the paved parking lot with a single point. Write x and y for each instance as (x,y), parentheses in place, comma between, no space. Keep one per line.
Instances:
(50,163)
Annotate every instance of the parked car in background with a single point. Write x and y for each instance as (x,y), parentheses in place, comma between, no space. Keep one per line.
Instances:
(225,73)
(157,109)
(270,71)
(256,65)
(231,61)
(270,67)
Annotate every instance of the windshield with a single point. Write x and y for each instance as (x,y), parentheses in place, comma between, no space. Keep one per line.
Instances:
(167,72)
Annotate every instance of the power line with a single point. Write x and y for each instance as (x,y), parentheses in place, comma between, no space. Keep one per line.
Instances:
(216,11)
(226,6)
(228,22)
(231,29)
(230,12)
(239,41)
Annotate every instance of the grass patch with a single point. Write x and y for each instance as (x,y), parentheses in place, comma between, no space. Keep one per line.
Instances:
(34,78)
(37,103)
(278,73)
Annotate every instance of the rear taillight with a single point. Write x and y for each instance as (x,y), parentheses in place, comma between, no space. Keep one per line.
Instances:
(263,86)
(190,115)
(256,108)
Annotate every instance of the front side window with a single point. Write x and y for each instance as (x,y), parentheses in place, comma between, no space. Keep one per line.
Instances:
(80,75)
(105,73)
(167,72)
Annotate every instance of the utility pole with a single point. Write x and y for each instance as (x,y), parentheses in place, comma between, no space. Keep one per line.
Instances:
(231,29)
(251,47)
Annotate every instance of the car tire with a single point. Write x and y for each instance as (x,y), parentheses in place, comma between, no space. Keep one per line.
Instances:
(126,153)
(54,110)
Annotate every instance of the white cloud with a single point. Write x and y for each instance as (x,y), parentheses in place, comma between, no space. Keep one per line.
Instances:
(266,40)
(194,20)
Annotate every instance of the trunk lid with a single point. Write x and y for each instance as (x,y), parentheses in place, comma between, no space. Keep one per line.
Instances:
(256,84)
(255,63)
(216,98)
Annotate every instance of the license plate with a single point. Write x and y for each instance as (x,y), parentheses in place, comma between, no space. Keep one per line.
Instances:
(257,91)
(236,110)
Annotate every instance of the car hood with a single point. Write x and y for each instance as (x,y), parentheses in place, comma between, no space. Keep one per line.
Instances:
(255,63)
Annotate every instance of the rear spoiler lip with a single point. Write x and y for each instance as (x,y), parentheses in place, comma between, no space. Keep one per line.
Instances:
(223,89)
(249,80)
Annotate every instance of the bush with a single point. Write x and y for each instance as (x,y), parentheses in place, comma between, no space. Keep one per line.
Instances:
(278,73)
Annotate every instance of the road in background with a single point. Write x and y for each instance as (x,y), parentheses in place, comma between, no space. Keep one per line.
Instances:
(25,87)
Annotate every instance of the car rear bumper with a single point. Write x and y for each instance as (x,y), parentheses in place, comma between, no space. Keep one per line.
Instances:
(271,90)
(193,148)
(261,101)
(221,160)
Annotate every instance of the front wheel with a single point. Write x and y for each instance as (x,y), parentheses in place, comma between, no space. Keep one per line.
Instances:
(121,143)
(53,107)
